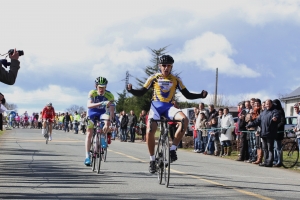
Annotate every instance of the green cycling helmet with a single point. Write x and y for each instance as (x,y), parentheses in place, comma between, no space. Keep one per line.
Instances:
(101,81)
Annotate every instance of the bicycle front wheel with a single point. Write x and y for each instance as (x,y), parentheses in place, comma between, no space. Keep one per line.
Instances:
(159,161)
(99,155)
(47,133)
(290,153)
(93,153)
(166,158)
(104,154)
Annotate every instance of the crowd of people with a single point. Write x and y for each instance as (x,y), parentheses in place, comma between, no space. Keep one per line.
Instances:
(63,121)
(258,131)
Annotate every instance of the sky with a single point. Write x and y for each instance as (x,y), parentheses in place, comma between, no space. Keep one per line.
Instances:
(67,44)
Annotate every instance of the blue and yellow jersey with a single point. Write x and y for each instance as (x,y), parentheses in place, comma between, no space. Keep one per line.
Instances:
(164,88)
(96,98)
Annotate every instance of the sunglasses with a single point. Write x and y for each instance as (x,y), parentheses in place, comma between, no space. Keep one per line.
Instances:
(167,65)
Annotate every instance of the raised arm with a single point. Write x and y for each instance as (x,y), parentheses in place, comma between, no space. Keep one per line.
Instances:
(136,92)
(189,95)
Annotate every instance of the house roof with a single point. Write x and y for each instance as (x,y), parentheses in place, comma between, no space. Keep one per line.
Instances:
(293,95)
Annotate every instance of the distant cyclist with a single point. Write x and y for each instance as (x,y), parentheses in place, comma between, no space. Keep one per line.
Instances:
(11,117)
(48,113)
(164,86)
(100,106)
(17,119)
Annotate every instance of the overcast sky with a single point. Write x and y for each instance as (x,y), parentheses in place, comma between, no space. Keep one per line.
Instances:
(67,44)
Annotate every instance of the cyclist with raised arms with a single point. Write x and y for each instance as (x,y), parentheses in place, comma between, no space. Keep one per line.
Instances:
(100,106)
(164,87)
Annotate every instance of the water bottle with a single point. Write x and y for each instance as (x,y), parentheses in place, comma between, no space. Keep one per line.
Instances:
(103,142)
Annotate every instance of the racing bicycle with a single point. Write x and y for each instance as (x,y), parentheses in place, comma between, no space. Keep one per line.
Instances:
(46,135)
(98,153)
(290,151)
(162,154)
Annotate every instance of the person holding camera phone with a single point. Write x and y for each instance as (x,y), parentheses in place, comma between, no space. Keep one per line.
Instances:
(9,77)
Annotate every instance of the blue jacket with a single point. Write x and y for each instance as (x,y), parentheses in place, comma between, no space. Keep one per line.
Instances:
(267,125)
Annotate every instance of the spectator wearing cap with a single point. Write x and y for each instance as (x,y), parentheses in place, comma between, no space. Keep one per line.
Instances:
(268,120)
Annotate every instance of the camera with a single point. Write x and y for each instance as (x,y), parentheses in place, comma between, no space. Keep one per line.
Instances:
(11,51)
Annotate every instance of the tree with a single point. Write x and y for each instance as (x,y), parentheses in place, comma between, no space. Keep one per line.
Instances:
(120,103)
(144,102)
(187,104)
(73,108)
(222,101)
(11,106)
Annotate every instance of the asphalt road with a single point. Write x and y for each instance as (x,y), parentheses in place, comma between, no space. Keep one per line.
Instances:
(30,169)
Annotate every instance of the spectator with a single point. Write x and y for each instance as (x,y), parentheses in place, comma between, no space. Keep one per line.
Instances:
(255,114)
(83,123)
(240,108)
(268,120)
(202,132)
(40,120)
(280,135)
(203,110)
(215,136)
(200,138)
(244,150)
(132,121)
(251,133)
(212,113)
(297,128)
(124,123)
(66,121)
(77,119)
(142,124)
(227,125)
(9,78)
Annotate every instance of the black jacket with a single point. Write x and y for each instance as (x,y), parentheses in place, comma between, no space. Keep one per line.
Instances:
(212,114)
(66,119)
(132,120)
(281,122)
(124,122)
(241,121)
(268,126)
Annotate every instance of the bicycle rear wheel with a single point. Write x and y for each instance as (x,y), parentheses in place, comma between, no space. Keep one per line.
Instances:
(166,159)
(99,155)
(290,154)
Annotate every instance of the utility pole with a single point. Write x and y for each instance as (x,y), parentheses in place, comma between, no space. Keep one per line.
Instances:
(126,79)
(216,88)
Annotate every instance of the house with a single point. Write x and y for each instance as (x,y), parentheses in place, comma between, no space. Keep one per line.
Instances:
(290,100)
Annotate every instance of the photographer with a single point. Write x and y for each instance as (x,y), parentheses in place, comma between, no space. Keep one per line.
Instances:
(2,101)
(9,77)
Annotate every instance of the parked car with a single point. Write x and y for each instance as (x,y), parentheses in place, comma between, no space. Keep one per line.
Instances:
(291,122)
